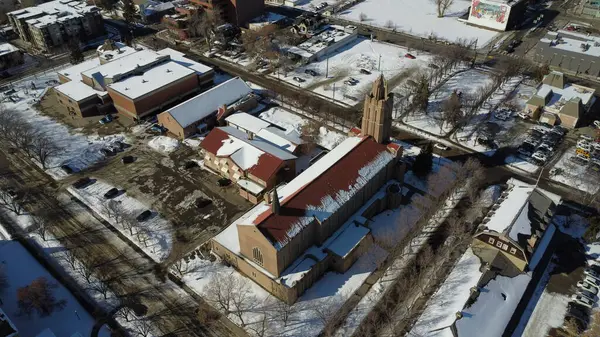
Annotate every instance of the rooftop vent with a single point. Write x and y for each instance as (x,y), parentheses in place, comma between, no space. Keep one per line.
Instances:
(169,71)
(144,81)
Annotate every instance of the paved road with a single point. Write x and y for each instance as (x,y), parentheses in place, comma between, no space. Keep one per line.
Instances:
(171,308)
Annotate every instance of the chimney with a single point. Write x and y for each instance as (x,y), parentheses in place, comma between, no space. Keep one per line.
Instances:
(275,206)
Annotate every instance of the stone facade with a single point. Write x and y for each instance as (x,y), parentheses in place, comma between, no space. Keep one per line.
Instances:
(377,112)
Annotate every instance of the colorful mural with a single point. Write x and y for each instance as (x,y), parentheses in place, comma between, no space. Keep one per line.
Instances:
(484,10)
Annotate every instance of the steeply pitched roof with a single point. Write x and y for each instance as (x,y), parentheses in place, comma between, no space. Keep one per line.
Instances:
(257,157)
(204,104)
(321,189)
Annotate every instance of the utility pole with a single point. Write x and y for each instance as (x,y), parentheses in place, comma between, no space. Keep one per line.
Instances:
(327,67)
(333,95)
(379,66)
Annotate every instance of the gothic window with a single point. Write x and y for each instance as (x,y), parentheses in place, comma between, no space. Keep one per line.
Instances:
(257,255)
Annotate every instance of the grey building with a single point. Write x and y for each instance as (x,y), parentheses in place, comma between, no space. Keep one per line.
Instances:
(589,9)
(571,52)
(53,24)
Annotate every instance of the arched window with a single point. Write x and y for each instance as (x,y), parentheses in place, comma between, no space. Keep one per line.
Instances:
(257,255)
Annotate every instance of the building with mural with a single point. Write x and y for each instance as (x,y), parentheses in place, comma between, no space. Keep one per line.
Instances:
(498,15)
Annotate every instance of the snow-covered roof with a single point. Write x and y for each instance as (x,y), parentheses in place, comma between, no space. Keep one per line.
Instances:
(573,42)
(7,48)
(151,80)
(512,213)
(321,189)
(78,91)
(494,306)
(450,298)
(206,103)
(125,64)
(251,186)
(348,239)
(74,72)
(288,140)
(122,51)
(560,96)
(180,58)
(329,35)
(54,11)
(247,122)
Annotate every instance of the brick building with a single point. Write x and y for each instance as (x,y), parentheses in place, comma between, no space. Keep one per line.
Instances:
(10,56)
(51,25)
(319,220)
(237,12)
(136,83)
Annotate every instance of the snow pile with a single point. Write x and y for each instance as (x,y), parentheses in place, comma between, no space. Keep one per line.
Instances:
(69,321)
(194,143)
(290,121)
(164,144)
(419,18)
(153,236)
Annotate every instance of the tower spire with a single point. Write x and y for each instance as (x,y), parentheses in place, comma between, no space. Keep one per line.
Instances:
(275,206)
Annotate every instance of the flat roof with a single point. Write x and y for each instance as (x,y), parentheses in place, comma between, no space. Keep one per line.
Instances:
(6,48)
(74,72)
(54,12)
(247,122)
(562,95)
(331,34)
(125,64)
(573,42)
(112,55)
(152,79)
(180,58)
(78,91)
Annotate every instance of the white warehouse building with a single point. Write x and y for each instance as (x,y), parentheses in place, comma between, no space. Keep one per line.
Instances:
(500,15)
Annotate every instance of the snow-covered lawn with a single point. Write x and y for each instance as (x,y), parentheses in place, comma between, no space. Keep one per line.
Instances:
(78,151)
(291,121)
(419,18)
(486,123)
(468,82)
(374,56)
(164,144)
(21,269)
(325,297)
(521,164)
(578,176)
(153,236)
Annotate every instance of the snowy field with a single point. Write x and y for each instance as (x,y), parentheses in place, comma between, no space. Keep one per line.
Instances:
(347,62)
(153,236)
(468,82)
(69,321)
(574,175)
(78,151)
(291,121)
(486,123)
(419,18)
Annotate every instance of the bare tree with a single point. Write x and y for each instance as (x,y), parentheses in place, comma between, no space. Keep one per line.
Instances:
(39,297)
(327,312)
(40,225)
(43,148)
(70,258)
(263,326)
(284,311)
(389,24)
(125,313)
(442,7)
(10,200)
(129,222)
(105,275)
(144,328)
(242,299)
(4,284)
(220,291)
(362,17)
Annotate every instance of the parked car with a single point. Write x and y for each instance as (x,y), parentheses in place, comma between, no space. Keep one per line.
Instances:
(409,56)
(201,202)
(441,146)
(298,79)
(223,182)
(157,128)
(127,160)
(351,81)
(591,296)
(592,281)
(523,115)
(586,137)
(67,169)
(587,287)
(524,152)
(538,155)
(107,152)
(113,192)
(597,124)
(311,72)
(589,272)
(106,119)
(145,215)
(83,182)
(586,302)
(365,71)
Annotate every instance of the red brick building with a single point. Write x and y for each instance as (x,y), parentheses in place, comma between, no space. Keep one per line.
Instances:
(237,12)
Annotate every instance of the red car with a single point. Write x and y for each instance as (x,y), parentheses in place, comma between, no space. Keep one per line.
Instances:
(409,56)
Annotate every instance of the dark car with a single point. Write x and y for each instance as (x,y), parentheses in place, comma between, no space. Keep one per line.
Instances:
(67,169)
(223,182)
(365,71)
(145,215)
(107,152)
(81,183)
(201,202)
(127,160)
(113,192)
(409,56)
(311,72)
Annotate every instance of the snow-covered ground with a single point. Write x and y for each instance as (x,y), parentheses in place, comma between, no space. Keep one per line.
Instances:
(164,144)
(291,121)
(325,297)
(375,56)
(575,175)
(78,151)
(153,236)
(419,18)
(486,123)
(21,269)
(468,82)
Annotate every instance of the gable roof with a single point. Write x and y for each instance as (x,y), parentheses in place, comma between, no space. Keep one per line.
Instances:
(263,129)
(320,190)
(206,103)
(257,157)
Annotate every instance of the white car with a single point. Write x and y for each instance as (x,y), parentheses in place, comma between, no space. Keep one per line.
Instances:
(523,115)
(586,302)
(584,147)
(584,158)
(597,124)
(442,147)
(586,137)
(586,286)
(591,273)
(587,294)
(592,281)
(539,156)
